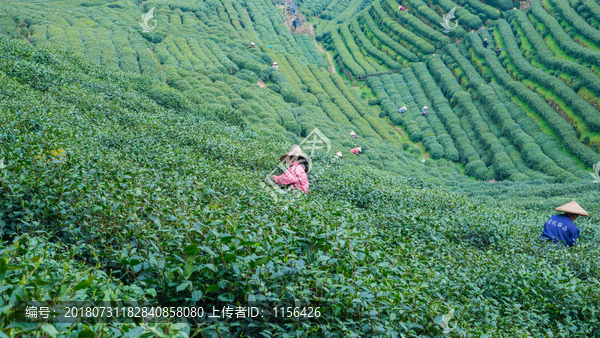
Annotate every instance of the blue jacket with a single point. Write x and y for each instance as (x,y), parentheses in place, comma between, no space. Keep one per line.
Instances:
(560,228)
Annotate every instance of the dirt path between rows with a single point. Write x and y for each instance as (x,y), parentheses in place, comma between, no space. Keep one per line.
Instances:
(401,132)
(261,84)
(321,50)
(329,57)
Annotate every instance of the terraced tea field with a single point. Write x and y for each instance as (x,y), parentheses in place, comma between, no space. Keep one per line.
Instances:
(171,123)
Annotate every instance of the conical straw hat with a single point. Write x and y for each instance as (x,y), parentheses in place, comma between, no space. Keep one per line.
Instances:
(352,133)
(339,153)
(296,154)
(573,208)
(359,148)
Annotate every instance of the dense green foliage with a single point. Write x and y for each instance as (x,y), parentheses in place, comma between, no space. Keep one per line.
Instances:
(558,87)
(581,26)
(465,17)
(431,16)
(309,50)
(476,6)
(417,25)
(170,136)
(313,7)
(368,46)
(414,122)
(468,155)
(501,113)
(563,39)
(355,50)
(386,39)
(439,114)
(545,55)
(402,33)
(345,55)
(554,120)
(502,4)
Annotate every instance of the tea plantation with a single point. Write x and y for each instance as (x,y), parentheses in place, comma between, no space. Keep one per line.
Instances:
(133,164)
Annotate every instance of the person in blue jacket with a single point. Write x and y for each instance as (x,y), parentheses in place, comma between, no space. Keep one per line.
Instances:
(560,228)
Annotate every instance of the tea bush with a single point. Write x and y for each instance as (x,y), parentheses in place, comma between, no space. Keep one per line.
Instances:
(529,148)
(564,131)
(580,25)
(169,138)
(547,58)
(344,55)
(355,50)
(389,24)
(391,6)
(477,6)
(368,46)
(578,104)
(431,16)
(563,40)
(384,38)
(472,21)
(435,136)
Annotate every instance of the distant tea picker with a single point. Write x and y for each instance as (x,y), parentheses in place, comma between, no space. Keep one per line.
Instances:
(560,228)
(296,175)
(356,150)
(352,134)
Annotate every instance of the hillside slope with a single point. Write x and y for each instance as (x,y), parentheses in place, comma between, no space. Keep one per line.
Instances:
(133,167)
(146,189)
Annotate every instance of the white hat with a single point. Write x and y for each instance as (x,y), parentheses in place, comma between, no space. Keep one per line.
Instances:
(425,107)
(572,208)
(352,133)
(339,154)
(359,149)
(274,63)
